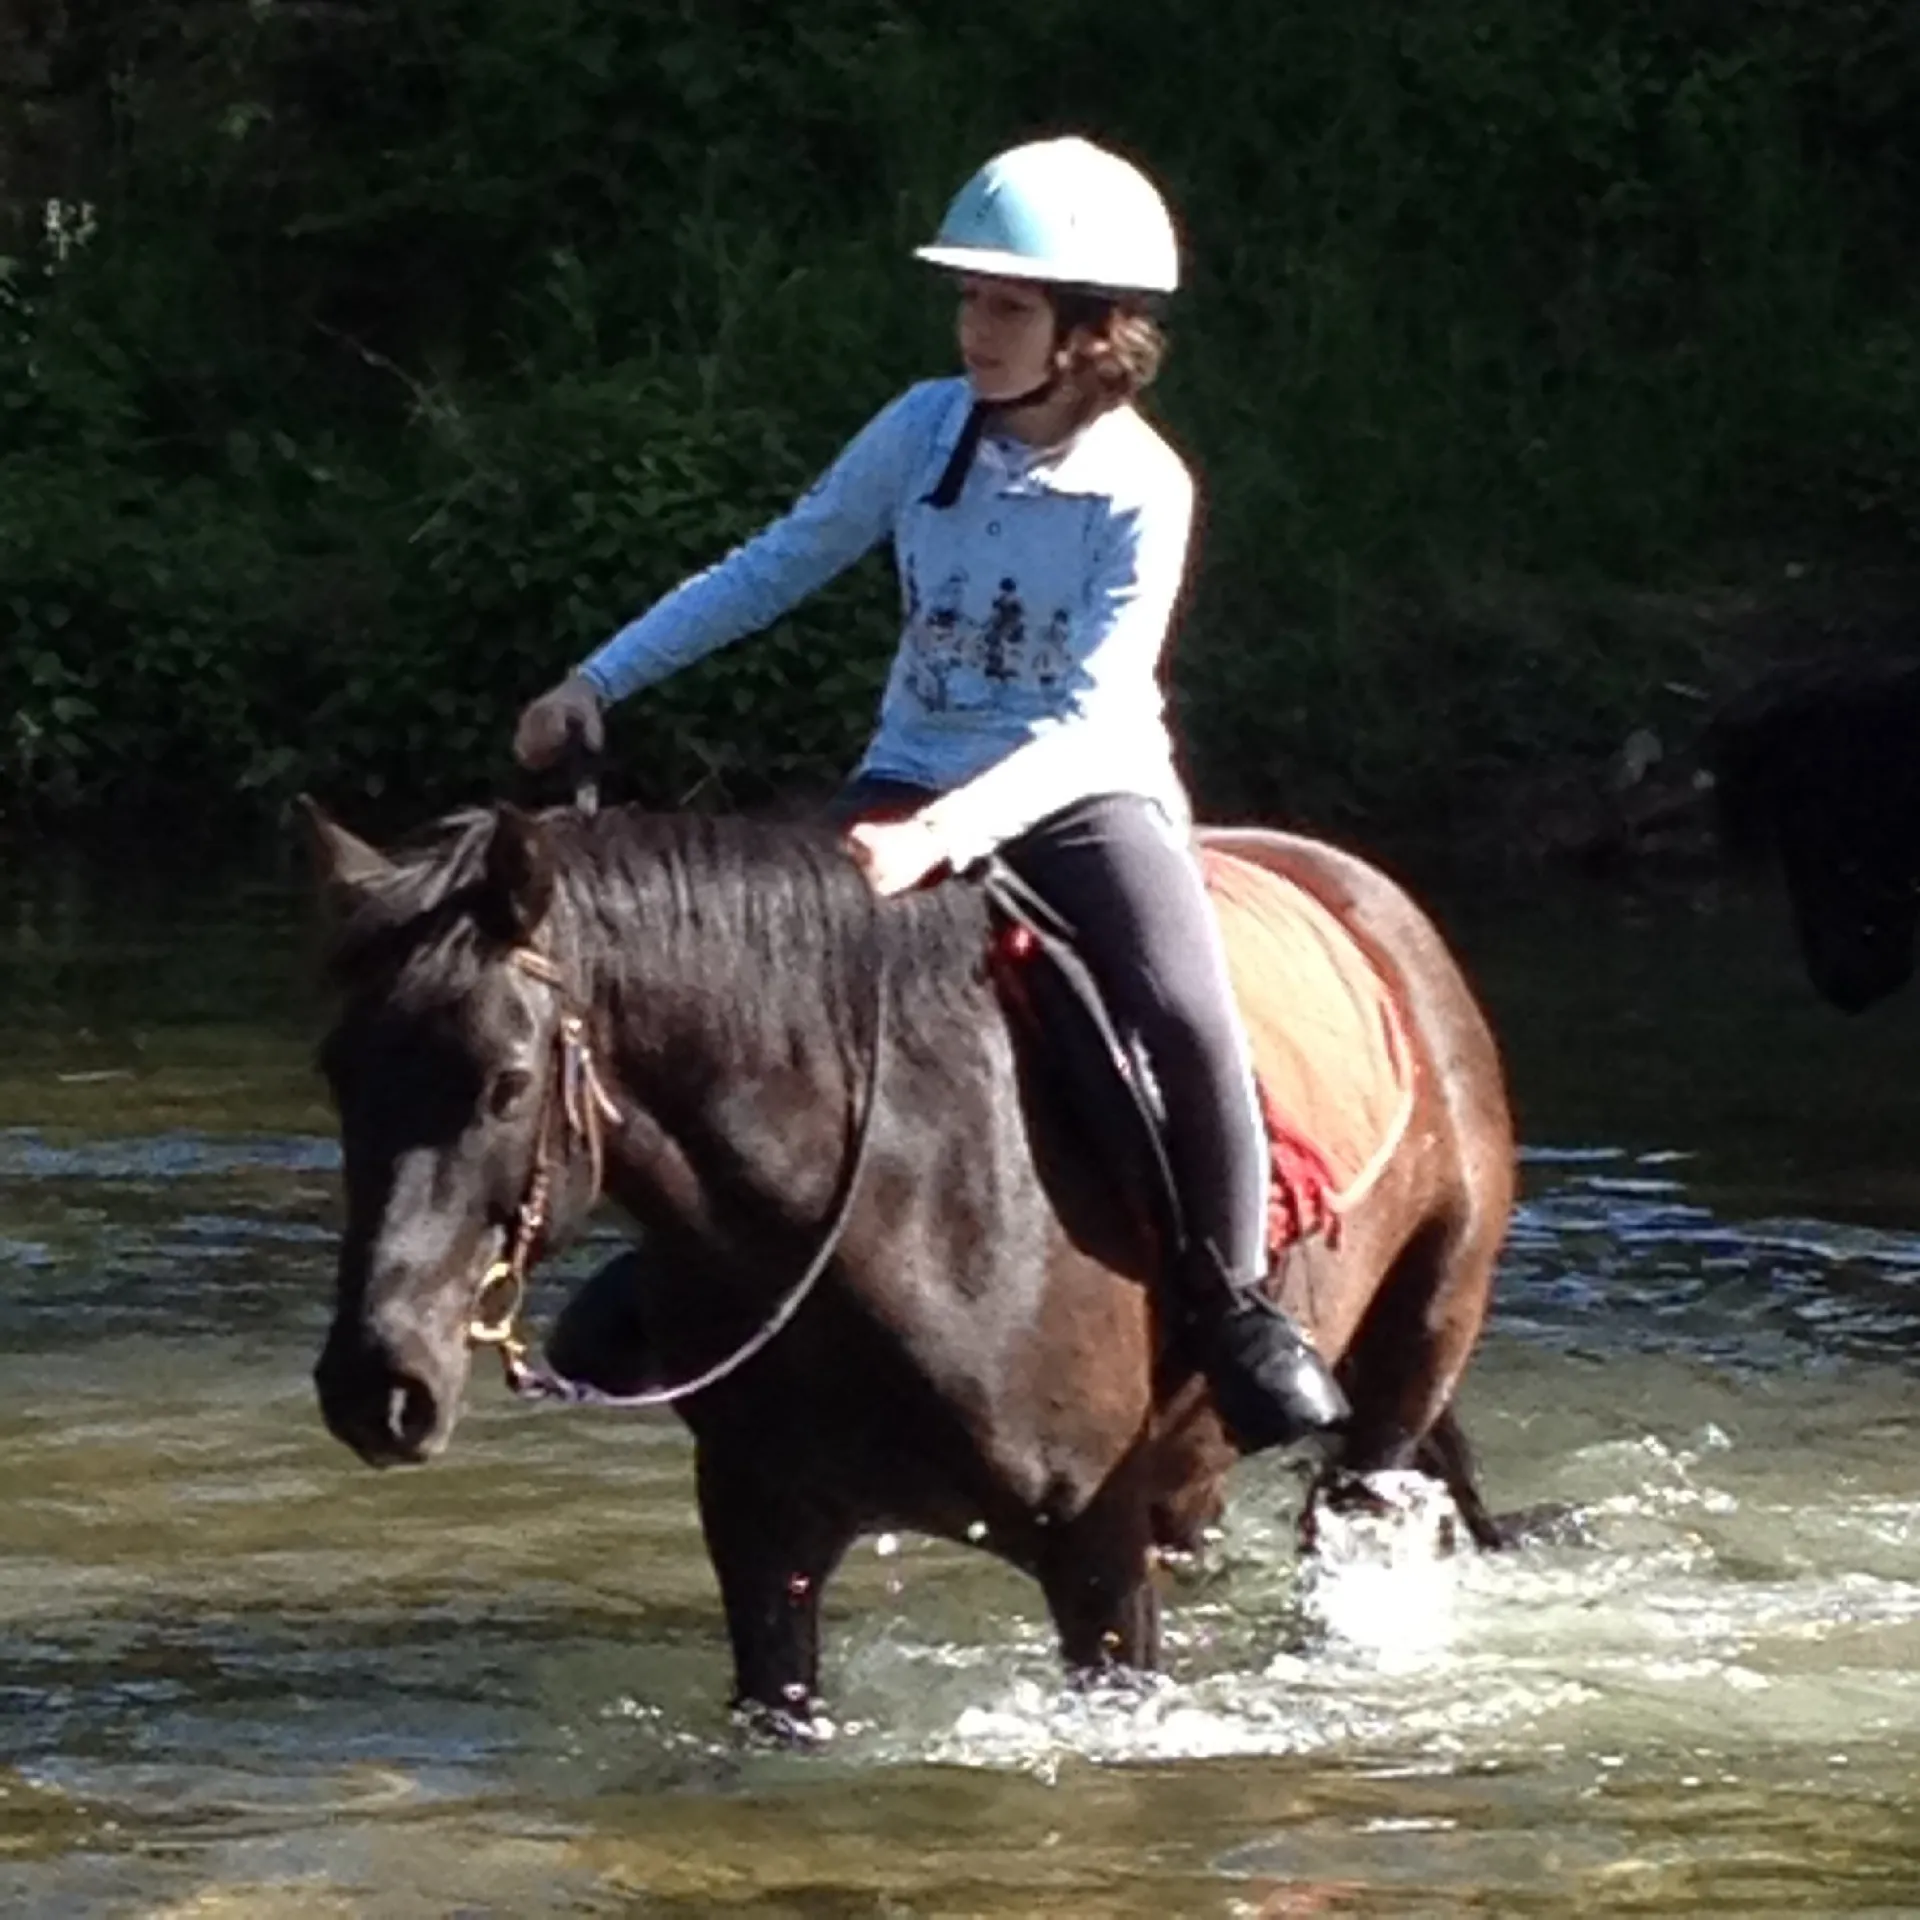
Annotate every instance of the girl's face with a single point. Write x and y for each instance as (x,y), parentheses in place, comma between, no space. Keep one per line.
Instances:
(1007,336)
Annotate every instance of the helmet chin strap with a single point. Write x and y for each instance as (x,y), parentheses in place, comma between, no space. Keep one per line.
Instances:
(946,490)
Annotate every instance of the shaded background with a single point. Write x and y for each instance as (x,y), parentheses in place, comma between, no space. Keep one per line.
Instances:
(362,363)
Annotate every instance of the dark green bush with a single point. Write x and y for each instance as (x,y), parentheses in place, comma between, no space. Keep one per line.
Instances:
(379,358)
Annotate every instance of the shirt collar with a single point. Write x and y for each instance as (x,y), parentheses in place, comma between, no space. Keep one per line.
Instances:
(1085,465)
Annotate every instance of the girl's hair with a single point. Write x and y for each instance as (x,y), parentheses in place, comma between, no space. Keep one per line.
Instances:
(1120,345)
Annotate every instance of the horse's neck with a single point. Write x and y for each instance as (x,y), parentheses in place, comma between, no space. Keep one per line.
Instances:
(726,1111)
(739,1115)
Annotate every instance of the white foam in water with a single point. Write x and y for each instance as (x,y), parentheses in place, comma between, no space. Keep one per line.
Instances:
(1385,1584)
(1716,1605)
(1378,1600)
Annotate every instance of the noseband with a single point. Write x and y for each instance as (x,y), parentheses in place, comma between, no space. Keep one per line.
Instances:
(575,1111)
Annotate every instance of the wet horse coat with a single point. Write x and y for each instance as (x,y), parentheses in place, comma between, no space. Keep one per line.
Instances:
(982,1360)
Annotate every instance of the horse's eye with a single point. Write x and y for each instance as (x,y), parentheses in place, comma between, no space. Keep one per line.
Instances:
(507,1091)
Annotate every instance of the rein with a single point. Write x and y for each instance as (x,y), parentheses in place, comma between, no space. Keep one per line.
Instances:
(578,1107)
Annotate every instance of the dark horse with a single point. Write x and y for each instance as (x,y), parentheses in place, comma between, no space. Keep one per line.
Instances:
(1817,765)
(981,1360)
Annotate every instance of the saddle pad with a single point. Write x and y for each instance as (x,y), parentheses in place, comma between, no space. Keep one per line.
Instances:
(1329,1044)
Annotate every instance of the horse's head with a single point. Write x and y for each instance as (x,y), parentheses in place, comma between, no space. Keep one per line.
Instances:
(1816,765)
(1855,911)
(444,1065)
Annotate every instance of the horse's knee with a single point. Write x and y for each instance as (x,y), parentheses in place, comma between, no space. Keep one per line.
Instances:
(600,1336)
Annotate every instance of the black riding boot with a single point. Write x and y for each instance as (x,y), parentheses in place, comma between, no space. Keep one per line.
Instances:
(1270,1387)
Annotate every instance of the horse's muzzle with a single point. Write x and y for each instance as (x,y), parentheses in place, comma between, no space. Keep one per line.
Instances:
(392,1410)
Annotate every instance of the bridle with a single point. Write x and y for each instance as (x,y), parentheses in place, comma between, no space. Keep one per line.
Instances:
(575,1111)
(577,1108)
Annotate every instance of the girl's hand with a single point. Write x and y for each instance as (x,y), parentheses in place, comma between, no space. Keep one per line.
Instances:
(895,854)
(541,736)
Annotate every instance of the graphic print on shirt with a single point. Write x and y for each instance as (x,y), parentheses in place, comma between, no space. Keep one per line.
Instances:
(989,628)
(953,661)
(1004,641)
(1052,654)
(938,638)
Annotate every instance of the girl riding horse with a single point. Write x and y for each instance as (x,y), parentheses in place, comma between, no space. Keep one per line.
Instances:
(1040,527)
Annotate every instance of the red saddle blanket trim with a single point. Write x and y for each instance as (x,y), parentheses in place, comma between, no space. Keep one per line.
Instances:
(1301,1188)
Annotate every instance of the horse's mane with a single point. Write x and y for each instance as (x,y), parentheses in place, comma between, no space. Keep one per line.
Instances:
(770,919)
(1836,735)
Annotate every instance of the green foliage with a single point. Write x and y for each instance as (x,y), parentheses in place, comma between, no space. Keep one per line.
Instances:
(567,511)
(377,359)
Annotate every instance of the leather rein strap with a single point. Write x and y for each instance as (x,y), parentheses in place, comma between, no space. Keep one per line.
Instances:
(576,1111)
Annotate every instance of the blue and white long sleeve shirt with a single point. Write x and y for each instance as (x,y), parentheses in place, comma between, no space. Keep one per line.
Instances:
(1035,610)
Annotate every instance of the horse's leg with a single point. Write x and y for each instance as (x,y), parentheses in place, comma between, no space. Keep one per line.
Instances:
(1096,1573)
(1402,1366)
(1445,1454)
(773,1548)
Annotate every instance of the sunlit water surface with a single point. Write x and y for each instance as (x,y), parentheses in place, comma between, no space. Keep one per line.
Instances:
(239,1675)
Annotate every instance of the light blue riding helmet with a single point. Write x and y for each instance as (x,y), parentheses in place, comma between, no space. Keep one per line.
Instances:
(1063,211)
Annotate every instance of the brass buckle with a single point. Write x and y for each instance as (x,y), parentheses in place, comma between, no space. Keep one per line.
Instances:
(497,1330)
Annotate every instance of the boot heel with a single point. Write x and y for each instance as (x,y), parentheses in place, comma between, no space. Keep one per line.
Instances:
(1271,1388)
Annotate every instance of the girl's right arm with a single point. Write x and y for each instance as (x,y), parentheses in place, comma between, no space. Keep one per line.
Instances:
(845,513)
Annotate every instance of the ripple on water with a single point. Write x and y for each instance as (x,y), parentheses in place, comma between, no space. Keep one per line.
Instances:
(25,1154)
(1598,1262)
(213,1624)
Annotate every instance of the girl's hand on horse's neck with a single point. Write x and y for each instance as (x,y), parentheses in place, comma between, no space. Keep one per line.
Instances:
(896,855)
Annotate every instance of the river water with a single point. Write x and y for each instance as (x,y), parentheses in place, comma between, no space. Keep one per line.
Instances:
(240,1675)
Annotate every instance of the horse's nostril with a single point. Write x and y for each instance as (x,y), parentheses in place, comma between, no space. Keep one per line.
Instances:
(411,1414)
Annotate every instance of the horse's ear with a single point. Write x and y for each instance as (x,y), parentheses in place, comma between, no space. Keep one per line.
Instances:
(520,871)
(346,865)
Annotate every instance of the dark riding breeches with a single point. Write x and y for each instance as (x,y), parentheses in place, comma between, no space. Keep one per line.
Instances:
(1126,882)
